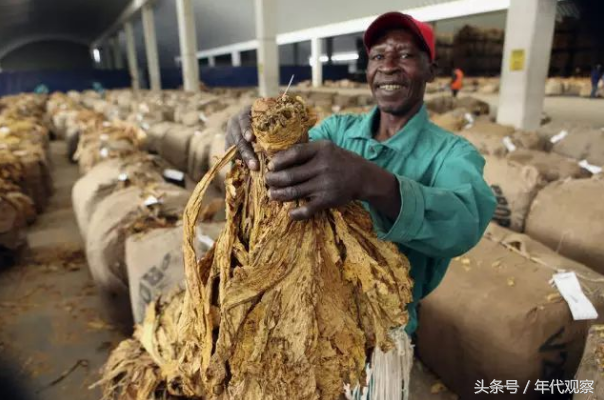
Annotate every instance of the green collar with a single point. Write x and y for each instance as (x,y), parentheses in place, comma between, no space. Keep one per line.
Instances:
(404,140)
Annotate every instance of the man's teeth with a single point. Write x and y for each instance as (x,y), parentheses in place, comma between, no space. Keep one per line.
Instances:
(390,87)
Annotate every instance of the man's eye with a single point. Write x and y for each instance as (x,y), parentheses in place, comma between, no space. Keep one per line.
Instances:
(406,55)
(378,57)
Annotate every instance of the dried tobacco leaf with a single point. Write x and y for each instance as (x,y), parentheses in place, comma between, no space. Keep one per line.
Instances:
(278,309)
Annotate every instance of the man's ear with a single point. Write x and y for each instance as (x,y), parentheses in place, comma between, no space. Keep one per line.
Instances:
(432,66)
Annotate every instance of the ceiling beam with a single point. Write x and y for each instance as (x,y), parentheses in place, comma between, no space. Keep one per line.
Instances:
(131,9)
(15,44)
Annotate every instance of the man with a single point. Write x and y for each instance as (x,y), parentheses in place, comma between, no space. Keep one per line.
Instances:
(422,185)
(456,81)
(596,75)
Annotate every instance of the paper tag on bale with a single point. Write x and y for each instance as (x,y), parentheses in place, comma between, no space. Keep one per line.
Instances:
(151,201)
(469,118)
(103,137)
(4,130)
(569,287)
(104,152)
(202,117)
(594,169)
(122,177)
(507,141)
(205,240)
(556,138)
(106,124)
(174,174)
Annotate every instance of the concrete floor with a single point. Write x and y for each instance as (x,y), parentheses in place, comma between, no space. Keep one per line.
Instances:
(53,341)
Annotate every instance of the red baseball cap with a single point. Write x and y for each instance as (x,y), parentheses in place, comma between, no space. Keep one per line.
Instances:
(397,20)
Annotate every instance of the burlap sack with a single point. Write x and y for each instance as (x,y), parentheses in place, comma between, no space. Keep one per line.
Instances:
(199,153)
(105,243)
(551,166)
(440,104)
(489,138)
(495,316)
(155,135)
(155,262)
(37,181)
(515,186)
(174,146)
(591,367)
(452,121)
(554,87)
(567,216)
(12,226)
(473,105)
(582,142)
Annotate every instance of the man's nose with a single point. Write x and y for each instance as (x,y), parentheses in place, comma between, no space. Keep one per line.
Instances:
(389,65)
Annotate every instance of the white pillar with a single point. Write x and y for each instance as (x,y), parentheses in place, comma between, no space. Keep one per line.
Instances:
(236,59)
(188,45)
(528,43)
(268,54)
(151,47)
(211,61)
(118,61)
(131,55)
(315,60)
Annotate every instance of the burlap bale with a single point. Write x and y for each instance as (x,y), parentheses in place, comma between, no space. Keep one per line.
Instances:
(199,153)
(591,367)
(453,120)
(91,155)
(440,104)
(155,262)
(551,166)
(554,87)
(346,100)
(488,138)
(474,105)
(155,135)
(105,243)
(496,316)
(515,186)
(37,181)
(567,216)
(174,146)
(12,226)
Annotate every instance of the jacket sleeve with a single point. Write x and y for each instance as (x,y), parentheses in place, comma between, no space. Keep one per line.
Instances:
(445,219)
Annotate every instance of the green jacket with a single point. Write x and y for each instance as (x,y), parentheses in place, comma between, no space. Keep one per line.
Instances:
(446,204)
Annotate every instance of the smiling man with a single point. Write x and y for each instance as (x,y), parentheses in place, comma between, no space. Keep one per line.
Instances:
(422,185)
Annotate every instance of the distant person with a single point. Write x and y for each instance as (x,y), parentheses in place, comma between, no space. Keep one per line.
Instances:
(596,75)
(456,81)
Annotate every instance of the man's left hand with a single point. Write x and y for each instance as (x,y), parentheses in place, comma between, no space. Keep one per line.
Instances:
(327,176)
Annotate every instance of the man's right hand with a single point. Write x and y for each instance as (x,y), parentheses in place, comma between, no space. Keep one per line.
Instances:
(240,133)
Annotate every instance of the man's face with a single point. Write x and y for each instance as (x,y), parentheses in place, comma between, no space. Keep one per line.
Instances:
(398,71)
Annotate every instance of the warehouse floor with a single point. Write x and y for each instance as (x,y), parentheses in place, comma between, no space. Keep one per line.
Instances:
(52,339)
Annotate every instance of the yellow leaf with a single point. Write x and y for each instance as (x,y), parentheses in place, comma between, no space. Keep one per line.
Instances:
(437,388)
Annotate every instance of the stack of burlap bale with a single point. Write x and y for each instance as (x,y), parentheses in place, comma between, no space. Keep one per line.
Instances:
(25,180)
(496,315)
(129,202)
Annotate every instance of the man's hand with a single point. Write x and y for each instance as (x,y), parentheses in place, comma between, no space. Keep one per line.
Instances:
(240,133)
(329,176)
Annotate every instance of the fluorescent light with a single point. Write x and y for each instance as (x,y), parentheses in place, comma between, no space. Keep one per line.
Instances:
(345,57)
(96,54)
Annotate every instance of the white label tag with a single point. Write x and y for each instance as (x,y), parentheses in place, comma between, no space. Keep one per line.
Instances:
(139,117)
(20,153)
(507,141)
(556,138)
(469,118)
(104,152)
(4,130)
(145,126)
(103,137)
(122,177)
(202,117)
(569,287)
(197,133)
(174,174)
(594,169)
(106,124)
(151,200)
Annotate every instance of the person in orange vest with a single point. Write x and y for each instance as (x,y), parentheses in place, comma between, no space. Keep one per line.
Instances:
(456,81)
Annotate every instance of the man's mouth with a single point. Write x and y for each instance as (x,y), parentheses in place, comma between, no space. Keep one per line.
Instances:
(389,87)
